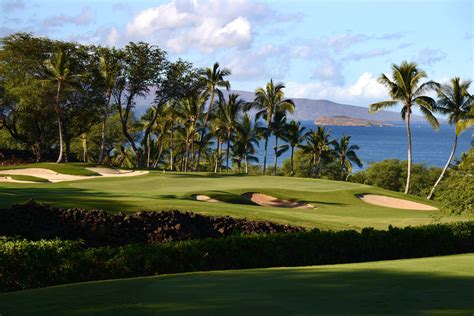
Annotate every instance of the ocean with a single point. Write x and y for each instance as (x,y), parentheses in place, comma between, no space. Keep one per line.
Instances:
(390,142)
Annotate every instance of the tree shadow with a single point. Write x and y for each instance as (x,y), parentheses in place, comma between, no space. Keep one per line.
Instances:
(258,292)
(64,197)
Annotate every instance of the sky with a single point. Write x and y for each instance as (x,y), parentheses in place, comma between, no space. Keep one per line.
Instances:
(324,49)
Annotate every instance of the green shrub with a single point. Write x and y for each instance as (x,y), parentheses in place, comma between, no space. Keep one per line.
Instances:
(391,174)
(456,193)
(28,264)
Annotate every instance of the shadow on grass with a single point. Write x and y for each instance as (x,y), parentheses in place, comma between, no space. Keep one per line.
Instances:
(260,292)
(66,197)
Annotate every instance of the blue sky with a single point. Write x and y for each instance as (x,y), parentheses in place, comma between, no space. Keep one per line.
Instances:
(320,49)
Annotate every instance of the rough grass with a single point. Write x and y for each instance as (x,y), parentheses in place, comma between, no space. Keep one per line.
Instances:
(438,285)
(337,207)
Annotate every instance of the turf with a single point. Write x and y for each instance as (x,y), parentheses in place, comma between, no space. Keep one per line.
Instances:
(76,169)
(20,177)
(336,204)
(438,285)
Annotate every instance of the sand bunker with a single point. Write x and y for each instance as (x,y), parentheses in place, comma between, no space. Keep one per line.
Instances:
(386,201)
(267,200)
(204,198)
(53,176)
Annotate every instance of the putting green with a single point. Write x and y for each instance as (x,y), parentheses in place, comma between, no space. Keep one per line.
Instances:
(335,202)
(438,285)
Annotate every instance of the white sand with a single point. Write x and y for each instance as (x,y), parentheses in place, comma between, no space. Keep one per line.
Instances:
(386,201)
(53,176)
(204,198)
(267,200)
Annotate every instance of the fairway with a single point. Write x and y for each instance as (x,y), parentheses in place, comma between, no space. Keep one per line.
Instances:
(336,204)
(416,286)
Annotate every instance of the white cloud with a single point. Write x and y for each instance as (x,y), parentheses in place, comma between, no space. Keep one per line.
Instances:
(85,17)
(261,63)
(204,25)
(428,56)
(364,91)
(329,70)
(113,37)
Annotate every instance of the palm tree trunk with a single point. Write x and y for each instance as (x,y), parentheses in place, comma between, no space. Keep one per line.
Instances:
(228,151)
(206,118)
(220,155)
(292,166)
(445,167)
(265,154)
(407,186)
(217,154)
(60,128)
(104,125)
(341,167)
(246,164)
(148,151)
(276,156)
(84,149)
(171,149)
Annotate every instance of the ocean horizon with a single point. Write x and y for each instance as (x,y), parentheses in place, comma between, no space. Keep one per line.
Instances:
(378,143)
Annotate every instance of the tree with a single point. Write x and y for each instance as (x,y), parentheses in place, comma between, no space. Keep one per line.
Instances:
(109,67)
(346,154)
(295,135)
(278,128)
(317,145)
(190,113)
(58,72)
(455,101)
(229,114)
(214,79)
(405,88)
(142,66)
(246,140)
(268,101)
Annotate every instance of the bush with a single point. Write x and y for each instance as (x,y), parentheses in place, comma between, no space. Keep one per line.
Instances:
(28,264)
(391,174)
(456,194)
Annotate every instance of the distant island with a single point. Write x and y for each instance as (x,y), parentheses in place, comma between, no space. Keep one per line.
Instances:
(342,120)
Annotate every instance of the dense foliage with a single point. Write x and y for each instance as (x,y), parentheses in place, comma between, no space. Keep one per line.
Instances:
(391,175)
(29,264)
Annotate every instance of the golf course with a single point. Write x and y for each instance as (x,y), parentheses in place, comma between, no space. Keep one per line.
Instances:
(336,205)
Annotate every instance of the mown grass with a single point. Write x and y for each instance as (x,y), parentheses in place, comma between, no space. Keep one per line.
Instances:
(76,169)
(437,285)
(337,207)
(20,177)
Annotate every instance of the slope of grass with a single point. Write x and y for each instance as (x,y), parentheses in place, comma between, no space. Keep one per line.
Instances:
(438,285)
(20,177)
(76,169)
(337,207)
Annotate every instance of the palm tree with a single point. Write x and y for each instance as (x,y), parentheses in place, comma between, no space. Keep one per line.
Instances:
(455,101)
(294,135)
(214,78)
(317,145)
(269,100)
(58,71)
(190,113)
(229,114)
(109,69)
(405,88)
(247,140)
(278,128)
(346,154)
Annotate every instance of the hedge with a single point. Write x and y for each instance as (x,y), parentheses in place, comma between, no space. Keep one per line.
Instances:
(29,264)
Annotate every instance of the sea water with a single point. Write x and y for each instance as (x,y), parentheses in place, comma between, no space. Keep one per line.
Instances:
(390,142)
